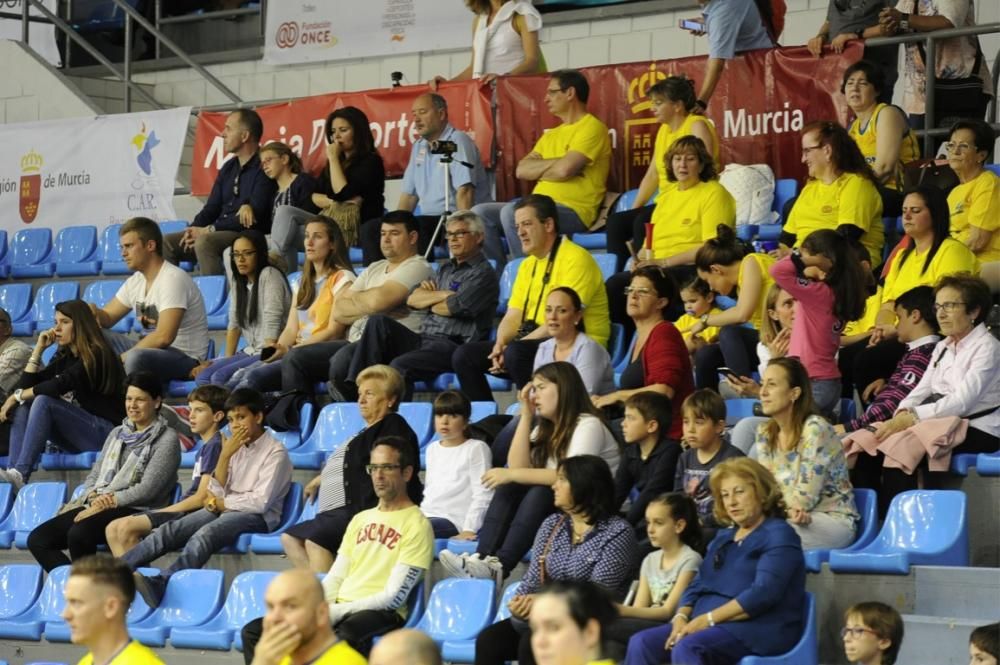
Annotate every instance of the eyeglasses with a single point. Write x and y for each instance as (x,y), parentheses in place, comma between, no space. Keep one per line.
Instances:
(640,291)
(855,633)
(957,147)
(554,91)
(947,306)
(372,469)
(456,235)
(809,148)
(244,255)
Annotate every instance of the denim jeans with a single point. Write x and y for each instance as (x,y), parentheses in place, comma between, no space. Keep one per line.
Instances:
(711,646)
(287,234)
(53,419)
(259,375)
(512,520)
(201,533)
(168,363)
(222,370)
(443,527)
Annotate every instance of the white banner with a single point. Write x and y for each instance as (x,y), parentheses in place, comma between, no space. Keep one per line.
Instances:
(41,36)
(97,170)
(300,31)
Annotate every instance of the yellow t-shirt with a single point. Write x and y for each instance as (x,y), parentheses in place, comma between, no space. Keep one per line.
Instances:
(850,199)
(315,318)
(575,268)
(977,203)
(686,321)
(665,138)
(764,262)
(340,653)
(867,320)
(375,542)
(684,219)
(584,193)
(867,140)
(952,257)
(133,654)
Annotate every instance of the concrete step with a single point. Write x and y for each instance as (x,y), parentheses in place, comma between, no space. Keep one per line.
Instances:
(965,593)
(934,640)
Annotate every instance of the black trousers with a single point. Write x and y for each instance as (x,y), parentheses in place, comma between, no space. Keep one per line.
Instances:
(624,226)
(512,520)
(417,357)
(887,483)
(736,349)
(471,362)
(48,540)
(501,642)
(358,630)
(370,234)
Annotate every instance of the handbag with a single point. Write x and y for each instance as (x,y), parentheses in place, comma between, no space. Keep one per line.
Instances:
(932,172)
(348,218)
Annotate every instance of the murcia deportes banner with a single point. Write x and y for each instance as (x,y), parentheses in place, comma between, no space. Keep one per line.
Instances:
(97,170)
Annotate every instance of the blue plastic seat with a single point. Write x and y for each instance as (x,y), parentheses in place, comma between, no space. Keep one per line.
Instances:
(606,262)
(866,501)
(110,252)
(35,503)
(295,438)
(482,410)
(616,343)
(507,283)
(420,417)
(16,300)
(962,462)
(192,598)
(336,425)
(66,461)
(21,584)
(847,410)
(244,603)
(43,311)
(458,609)
(591,240)
(290,509)
(293,279)
(29,625)
(738,409)
(922,527)
(415,606)
(101,292)
(785,190)
(76,252)
(270,543)
(464,651)
(513,409)
(6,499)
(57,630)
(213,292)
(988,464)
(805,652)
(31,252)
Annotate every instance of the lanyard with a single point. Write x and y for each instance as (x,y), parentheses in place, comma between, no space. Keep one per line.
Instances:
(545,280)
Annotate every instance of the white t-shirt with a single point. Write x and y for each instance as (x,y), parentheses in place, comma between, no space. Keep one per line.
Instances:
(591,437)
(453,488)
(661,581)
(409,273)
(171,289)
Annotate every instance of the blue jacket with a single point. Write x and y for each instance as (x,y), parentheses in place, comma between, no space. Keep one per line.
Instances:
(766,575)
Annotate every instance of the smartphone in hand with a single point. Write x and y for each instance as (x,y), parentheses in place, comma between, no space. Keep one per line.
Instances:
(267,352)
(692,25)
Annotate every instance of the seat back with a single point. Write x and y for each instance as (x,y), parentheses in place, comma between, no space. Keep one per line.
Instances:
(293,279)
(173,226)
(290,507)
(738,409)
(102,291)
(213,292)
(415,606)
(866,501)
(21,583)
(458,609)
(420,417)
(3,245)
(622,363)
(785,189)
(6,499)
(606,262)
(30,246)
(43,312)
(481,410)
(625,201)
(925,521)
(16,300)
(503,611)
(192,598)
(507,283)
(616,343)
(53,599)
(75,244)
(111,246)
(35,503)
(805,651)
(336,425)
(245,601)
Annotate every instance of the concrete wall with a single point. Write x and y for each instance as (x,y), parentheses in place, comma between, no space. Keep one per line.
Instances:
(31,90)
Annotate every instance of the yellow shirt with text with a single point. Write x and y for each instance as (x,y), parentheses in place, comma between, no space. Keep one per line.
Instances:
(133,654)
(340,653)
(584,192)
(684,219)
(952,257)
(867,140)
(850,199)
(665,138)
(977,203)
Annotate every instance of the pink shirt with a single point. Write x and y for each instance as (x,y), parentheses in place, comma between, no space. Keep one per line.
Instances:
(816,331)
(259,476)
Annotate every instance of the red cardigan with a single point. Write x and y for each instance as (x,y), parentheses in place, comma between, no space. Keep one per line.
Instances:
(665,359)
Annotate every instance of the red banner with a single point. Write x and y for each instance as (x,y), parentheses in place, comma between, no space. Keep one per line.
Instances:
(300,124)
(761,102)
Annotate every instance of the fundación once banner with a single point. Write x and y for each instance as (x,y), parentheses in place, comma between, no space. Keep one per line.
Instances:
(298,31)
(96,170)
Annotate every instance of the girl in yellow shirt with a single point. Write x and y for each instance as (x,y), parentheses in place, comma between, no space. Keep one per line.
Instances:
(672,101)
(699,300)
(975,203)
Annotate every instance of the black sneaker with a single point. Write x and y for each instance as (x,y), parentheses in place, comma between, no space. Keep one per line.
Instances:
(152,589)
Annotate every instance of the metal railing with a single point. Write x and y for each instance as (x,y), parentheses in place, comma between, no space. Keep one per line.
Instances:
(159,19)
(929,40)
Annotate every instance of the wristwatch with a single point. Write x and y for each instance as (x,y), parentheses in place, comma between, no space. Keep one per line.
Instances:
(904,23)
(17,395)
(704,319)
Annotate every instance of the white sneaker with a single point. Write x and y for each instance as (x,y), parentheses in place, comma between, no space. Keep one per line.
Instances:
(12,476)
(472,566)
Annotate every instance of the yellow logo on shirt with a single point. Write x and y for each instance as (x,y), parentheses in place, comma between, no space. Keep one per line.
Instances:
(827,210)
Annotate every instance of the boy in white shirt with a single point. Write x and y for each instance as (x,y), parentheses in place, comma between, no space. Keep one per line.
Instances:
(455,498)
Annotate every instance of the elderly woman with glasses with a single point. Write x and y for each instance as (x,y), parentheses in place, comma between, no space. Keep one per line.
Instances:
(749,594)
(975,203)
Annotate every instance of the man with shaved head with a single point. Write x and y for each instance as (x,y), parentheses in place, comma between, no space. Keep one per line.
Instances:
(297,627)
(405,647)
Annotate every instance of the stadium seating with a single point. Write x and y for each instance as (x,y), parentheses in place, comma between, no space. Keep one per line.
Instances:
(988,464)
(867,503)
(213,292)
(76,252)
(43,311)
(616,343)
(270,543)
(30,253)
(481,410)
(4,255)
(191,599)
(16,300)
(295,438)
(606,262)
(30,624)
(420,417)
(805,652)
(64,461)
(100,293)
(289,515)
(738,409)
(458,609)
(244,603)
(21,584)
(507,283)
(923,527)
(110,252)
(35,503)
(785,189)
(6,499)
(57,630)
(337,424)
(464,651)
